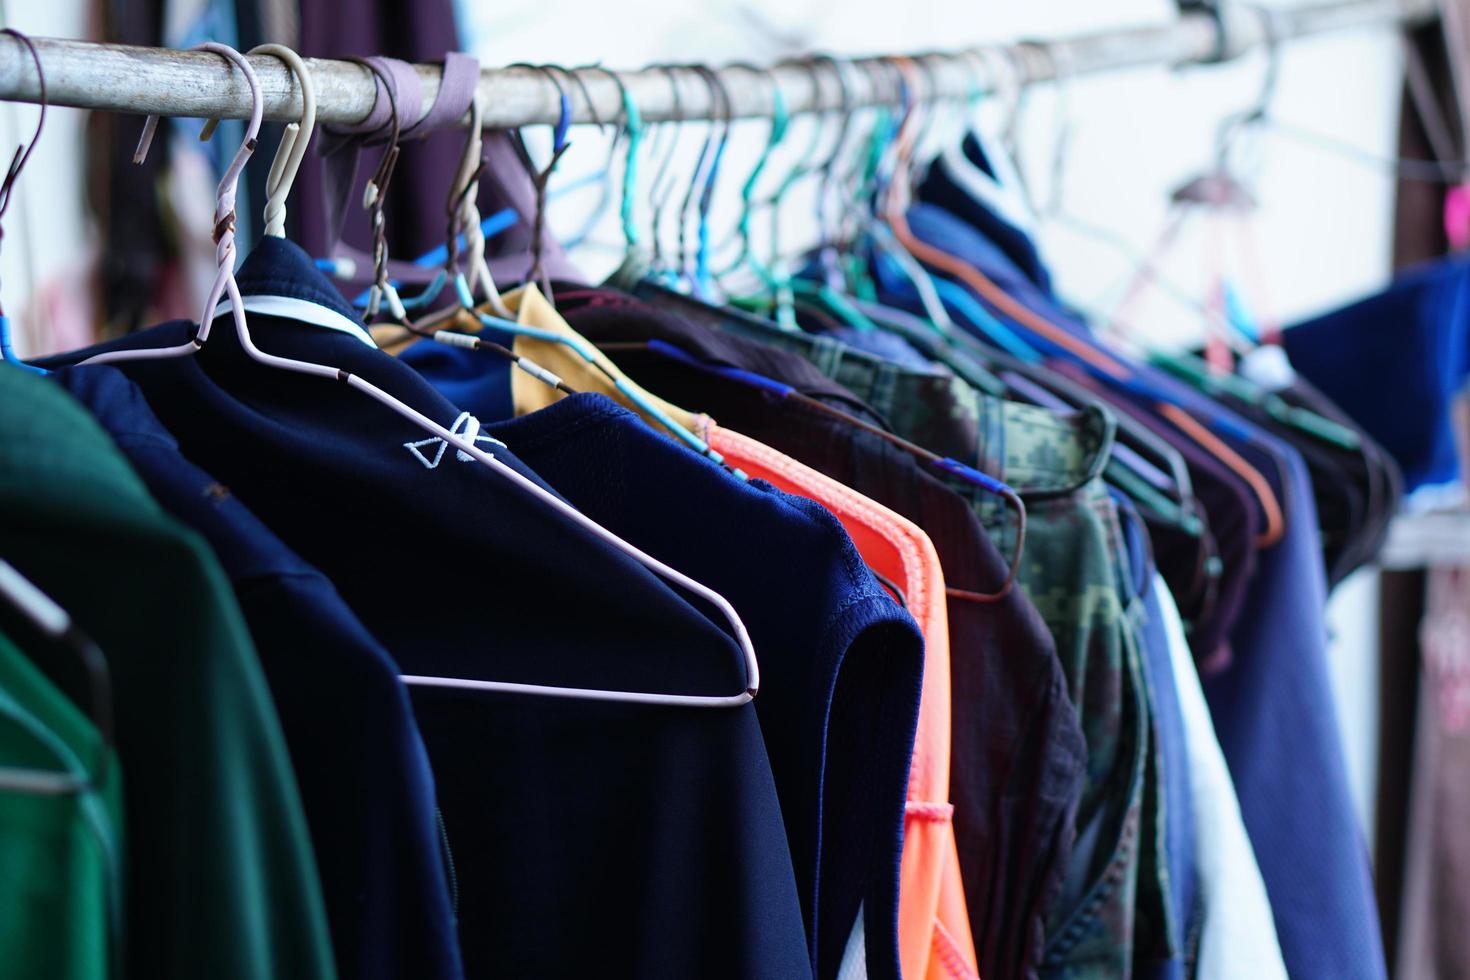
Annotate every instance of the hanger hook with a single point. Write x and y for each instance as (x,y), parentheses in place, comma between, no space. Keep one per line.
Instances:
(1235,124)
(22,152)
(1009,82)
(224,200)
(1064,74)
(711,153)
(803,165)
(464,189)
(540,179)
(374,198)
(661,188)
(294,140)
(827,170)
(604,183)
(632,125)
(912,125)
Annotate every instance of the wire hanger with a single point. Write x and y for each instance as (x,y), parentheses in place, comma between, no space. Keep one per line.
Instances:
(785,293)
(7,191)
(225,284)
(698,272)
(661,189)
(466,314)
(632,128)
(601,178)
(42,612)
(540,179)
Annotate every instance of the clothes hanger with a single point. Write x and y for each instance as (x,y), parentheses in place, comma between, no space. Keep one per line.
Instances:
(462,206)
(465,314)
(827,186)
(602,179)
(948,465)
(43,613)
(700,278)
(662,186)
(1001,189)
(820,293)
(925,285)
(745,257)
(1106,366)
(463,214)
(7,190)
(541,178)
(293,145)
(633,258)
(225,285)
(892,196)
(691,268)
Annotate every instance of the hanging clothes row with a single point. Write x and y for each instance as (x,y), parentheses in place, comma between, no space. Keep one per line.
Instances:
(859,610)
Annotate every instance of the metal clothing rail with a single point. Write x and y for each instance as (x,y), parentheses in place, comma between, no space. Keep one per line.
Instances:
(168,82)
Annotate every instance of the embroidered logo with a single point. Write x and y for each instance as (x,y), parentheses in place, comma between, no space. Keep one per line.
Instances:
(467,426)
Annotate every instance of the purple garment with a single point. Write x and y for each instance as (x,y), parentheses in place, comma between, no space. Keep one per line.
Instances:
(422,31)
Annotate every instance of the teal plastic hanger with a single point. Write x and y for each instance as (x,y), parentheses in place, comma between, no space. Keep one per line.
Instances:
(1198,373)
(745,257)
(583,350)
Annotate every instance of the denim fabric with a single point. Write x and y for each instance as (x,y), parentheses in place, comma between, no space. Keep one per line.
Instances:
(1174,803)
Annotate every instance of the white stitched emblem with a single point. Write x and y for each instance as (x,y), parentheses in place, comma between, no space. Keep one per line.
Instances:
(467,426)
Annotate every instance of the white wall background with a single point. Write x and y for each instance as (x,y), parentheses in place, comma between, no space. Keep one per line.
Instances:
(1323,232)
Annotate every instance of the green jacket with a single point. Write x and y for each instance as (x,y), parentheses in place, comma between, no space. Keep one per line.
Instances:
(60,853)
(221,879)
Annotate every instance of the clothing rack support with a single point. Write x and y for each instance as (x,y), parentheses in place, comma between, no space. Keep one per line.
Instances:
(122,78)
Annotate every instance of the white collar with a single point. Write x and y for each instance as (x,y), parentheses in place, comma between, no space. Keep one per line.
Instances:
(291,308)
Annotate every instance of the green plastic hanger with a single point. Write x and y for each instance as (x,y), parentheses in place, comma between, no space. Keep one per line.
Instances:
(1195,371)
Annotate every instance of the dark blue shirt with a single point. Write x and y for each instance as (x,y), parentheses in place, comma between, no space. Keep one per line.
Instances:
(1168,753)
(942,189)
(588,838)
(360,763)
(1395,362)
(841,662)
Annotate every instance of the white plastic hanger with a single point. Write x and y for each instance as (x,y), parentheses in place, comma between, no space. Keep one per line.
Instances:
(225,283)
